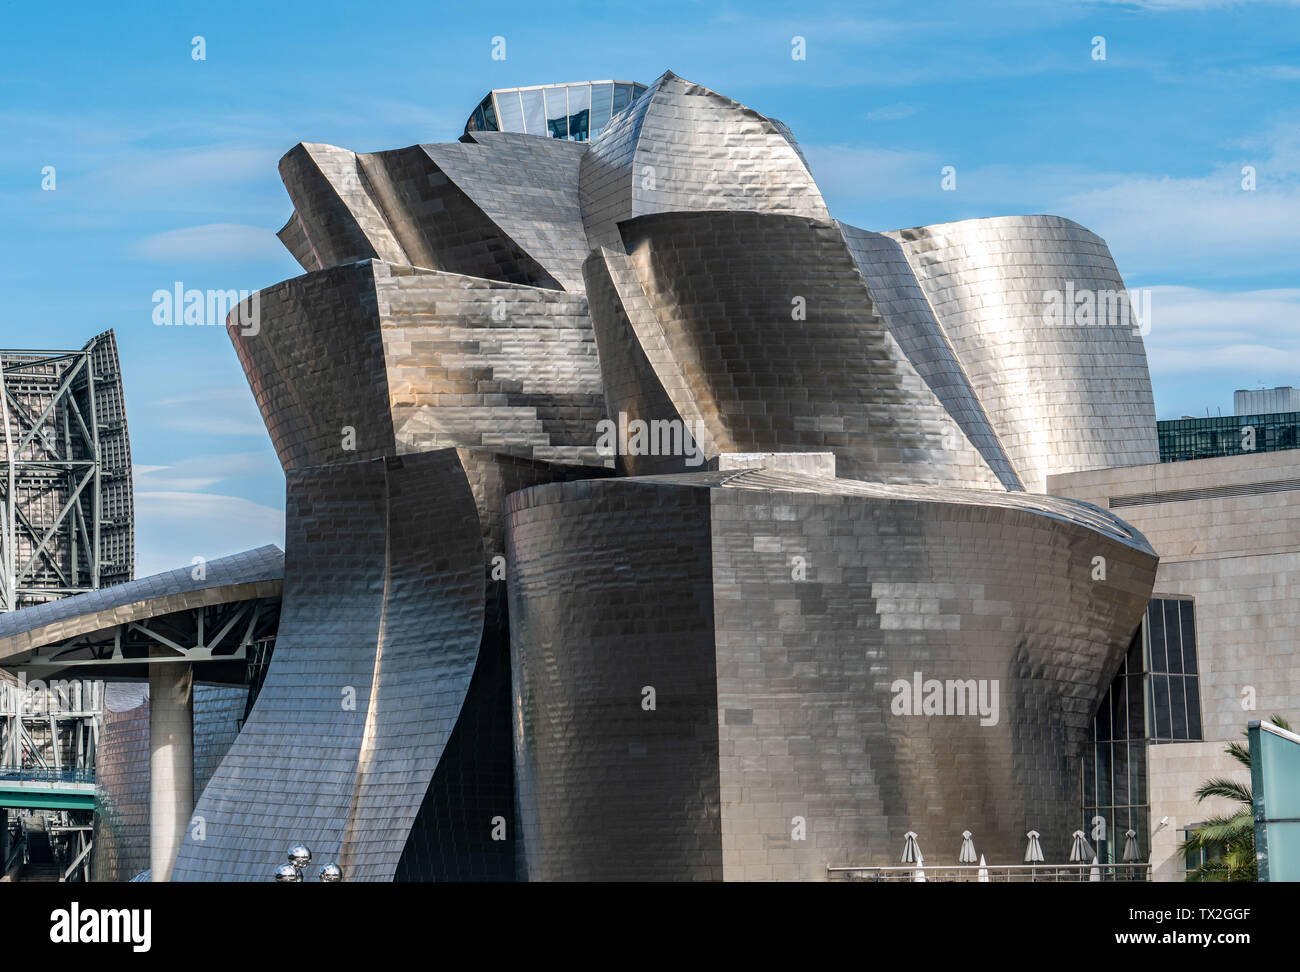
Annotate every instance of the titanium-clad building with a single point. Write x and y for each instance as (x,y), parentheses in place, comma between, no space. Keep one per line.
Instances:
(644,521)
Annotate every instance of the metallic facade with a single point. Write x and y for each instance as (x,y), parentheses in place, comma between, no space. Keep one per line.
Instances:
(474,601)
(66,504)
(1063,396)
(773,694)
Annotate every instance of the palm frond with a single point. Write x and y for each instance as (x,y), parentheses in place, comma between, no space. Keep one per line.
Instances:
(1228,789)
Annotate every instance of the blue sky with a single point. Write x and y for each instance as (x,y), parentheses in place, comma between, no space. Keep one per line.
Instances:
(166,167)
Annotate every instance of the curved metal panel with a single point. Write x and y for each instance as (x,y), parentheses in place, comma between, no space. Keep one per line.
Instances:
(379,633)
(774,695)
(1063,396)
(682,148)
(371,359)
(503,207)
(783,351)
(610,591)
(529,189)
(903,305)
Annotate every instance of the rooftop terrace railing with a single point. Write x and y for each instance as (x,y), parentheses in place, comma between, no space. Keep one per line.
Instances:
(998,873)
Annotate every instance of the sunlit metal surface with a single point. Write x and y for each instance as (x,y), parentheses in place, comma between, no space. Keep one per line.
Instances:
(795,604)
(1063,396)
(434,387)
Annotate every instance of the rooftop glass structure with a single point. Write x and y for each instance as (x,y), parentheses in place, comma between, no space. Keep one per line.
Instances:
(575,112)
(1227,435)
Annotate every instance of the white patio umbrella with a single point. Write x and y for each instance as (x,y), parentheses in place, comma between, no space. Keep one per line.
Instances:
(1094,872)
(1080,850)
(967,855)
(1131,852)
(911,849)
(919,874)
(983,872)
(1034,850)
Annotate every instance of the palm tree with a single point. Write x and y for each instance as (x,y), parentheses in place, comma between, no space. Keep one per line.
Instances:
(1227,841)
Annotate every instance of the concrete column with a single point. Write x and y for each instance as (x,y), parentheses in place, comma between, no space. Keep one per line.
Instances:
(171,762)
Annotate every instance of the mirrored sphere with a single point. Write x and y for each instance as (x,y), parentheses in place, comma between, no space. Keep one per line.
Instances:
(299,856)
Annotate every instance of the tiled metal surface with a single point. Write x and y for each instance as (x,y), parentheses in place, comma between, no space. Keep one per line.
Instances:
(773,693)
(782,351)
(683,148)
(503,206)
(413,360)
(378,637)
(414,394)
(906,311)
(122,769)
(1061,397)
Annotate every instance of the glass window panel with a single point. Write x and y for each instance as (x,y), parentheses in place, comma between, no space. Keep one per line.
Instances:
(534,112)
(1161,726)
(512,114)
(1193,689)
(476,121)
(1156,630)
(1121,779)
(1173,637)
(1103,774)
(637,91)
(1133,662)
(622,97)
(1136,718)
(1177,707)
(1138,763)
(1187,614)
(602,99)
(489,115)
(557,113)
(579,111)
(1090,776)
(1103,718)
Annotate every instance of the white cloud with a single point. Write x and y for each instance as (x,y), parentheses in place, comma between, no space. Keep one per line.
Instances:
(1202,225)
(175,526)
(210,411)
(1205,344)
(1207,225)
(210,243)
(201,472)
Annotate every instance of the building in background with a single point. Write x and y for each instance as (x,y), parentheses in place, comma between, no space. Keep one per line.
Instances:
(1263,420)
(1219,643)
(66,500)
(1227,435)
(1264,401)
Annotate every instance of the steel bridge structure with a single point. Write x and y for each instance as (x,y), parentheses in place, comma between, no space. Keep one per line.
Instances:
(66,505)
